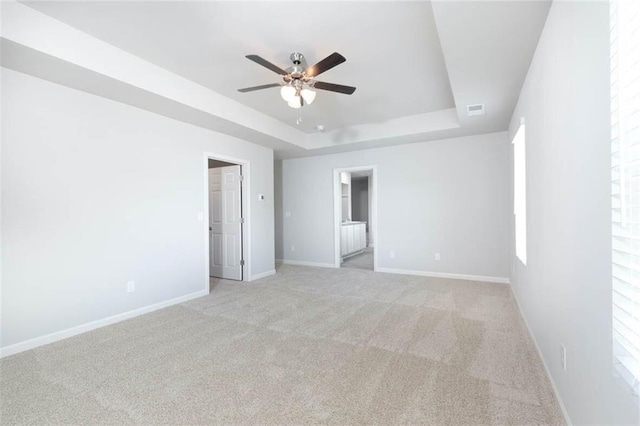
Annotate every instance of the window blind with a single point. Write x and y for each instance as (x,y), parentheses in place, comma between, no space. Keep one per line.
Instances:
(625,186)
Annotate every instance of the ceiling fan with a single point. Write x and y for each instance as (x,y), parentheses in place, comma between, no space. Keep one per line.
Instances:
(298,81)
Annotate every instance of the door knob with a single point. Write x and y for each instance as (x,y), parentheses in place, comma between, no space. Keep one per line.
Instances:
(209,228)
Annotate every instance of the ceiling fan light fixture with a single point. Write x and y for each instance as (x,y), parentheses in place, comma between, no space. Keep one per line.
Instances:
(295,102)
(288,92)
(308,95)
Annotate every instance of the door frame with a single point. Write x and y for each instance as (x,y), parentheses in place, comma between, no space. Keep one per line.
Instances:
(246,212)
(337,209)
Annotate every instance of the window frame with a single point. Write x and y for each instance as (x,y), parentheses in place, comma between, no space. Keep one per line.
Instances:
(520,192)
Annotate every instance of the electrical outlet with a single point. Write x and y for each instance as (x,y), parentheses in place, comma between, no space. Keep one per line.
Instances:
(131,286)
(287,214)
(563,357)
(392,254)
(437,256)
(293,248)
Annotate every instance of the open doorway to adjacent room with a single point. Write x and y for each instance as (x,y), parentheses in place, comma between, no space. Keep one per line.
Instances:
(355,217)
(226,218)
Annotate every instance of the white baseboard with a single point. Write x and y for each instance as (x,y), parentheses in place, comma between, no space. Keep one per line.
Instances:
(565,413)
(501,280)
(262,275)
(74,331)
(303,263)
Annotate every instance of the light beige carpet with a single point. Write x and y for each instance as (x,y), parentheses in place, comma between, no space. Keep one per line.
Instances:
(307,345)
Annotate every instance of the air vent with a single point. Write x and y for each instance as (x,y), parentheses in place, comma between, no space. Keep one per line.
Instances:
(477,109)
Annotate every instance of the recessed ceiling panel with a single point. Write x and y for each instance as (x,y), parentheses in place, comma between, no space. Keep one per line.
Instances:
(393,51)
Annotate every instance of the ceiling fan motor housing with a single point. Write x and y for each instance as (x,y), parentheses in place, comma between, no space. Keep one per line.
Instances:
(296,72)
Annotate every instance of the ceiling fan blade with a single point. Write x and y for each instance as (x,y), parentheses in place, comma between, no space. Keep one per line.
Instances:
(327,63)
(347,90)
(258,60)
(264,86)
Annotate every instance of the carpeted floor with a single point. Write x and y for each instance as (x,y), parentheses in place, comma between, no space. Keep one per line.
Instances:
(363,260)
(307,345)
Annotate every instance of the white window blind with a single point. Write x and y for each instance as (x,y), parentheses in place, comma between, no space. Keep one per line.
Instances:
(520,193)
(625,186)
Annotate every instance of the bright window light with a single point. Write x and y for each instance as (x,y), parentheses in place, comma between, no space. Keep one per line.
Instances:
(520,193)
(625,187)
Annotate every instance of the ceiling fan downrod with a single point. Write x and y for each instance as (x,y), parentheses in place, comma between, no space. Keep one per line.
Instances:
(297,58)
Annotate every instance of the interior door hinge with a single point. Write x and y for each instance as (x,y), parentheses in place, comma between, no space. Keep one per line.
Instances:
(242,262)
(242,220)
(241,178)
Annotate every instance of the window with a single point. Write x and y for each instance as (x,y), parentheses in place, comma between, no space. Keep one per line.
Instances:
(625,186)
(520,193)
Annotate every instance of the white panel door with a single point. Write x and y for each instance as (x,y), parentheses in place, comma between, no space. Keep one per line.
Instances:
(225,222)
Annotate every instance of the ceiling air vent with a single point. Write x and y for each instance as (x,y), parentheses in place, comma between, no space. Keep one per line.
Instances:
(477,109)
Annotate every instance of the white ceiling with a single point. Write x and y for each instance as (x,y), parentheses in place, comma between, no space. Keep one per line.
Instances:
(416,64)
(392,49)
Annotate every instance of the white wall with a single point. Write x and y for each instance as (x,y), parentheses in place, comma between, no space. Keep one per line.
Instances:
(96,193)
(449,196)
(565,289)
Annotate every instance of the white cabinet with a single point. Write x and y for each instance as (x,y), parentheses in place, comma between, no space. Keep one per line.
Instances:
(353,238)
(350,244)
(343,242)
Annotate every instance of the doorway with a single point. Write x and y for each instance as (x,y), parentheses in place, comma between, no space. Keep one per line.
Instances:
(226,211)
(355,217)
